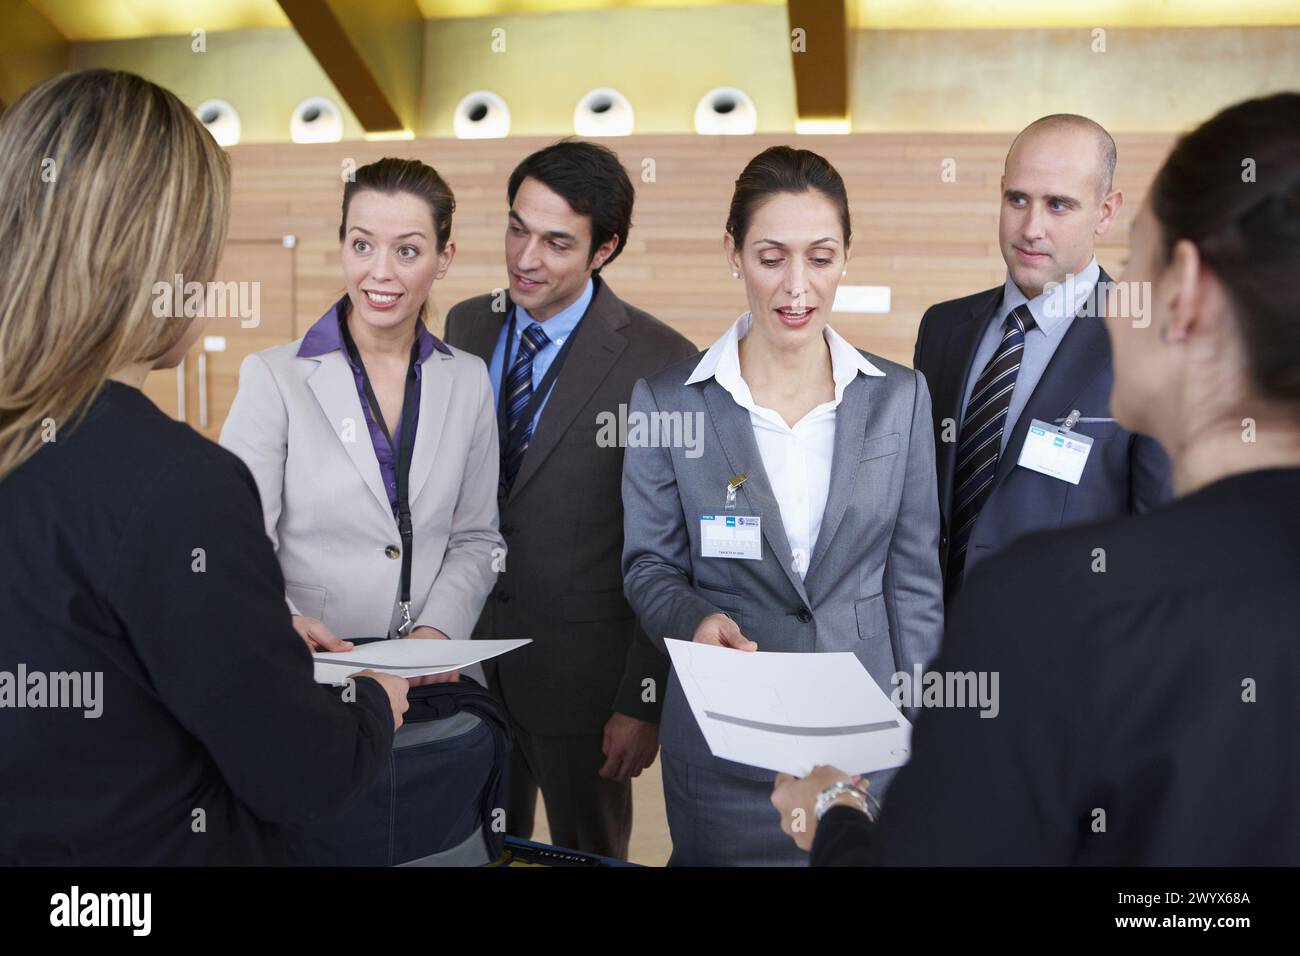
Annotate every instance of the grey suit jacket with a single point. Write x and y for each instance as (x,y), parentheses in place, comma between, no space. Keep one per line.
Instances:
(563,521)
(872,585)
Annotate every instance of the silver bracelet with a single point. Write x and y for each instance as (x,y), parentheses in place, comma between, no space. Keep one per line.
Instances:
(864,800)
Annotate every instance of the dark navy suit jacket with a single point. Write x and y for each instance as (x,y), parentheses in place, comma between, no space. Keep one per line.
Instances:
(1126,473)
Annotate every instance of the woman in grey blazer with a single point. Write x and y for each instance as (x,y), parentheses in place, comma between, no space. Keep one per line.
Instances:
(836,451)
(368,413)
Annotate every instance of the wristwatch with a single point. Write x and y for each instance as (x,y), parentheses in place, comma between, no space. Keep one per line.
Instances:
(863,800)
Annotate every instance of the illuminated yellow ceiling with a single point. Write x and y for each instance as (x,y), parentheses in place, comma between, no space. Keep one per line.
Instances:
(122,19)
(447,9)
(950,14)
(1059,14)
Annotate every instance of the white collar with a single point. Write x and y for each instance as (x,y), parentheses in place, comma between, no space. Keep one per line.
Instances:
(722,360)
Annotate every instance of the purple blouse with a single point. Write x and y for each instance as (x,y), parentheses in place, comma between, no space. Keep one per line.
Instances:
(326,336)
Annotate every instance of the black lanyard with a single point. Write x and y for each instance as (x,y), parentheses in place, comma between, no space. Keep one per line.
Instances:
(539,393)
(403,454)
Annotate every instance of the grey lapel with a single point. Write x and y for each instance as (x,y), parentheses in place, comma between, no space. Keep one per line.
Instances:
(435,396)
(850,436)
(735,433)
(336,392)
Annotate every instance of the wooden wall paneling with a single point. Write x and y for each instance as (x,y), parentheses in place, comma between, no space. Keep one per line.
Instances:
(267,265)
(928,240)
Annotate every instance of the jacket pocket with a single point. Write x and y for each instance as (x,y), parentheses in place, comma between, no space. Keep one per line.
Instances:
(307,598)
(873,622)
(608,605)
(719,588)
(1095,428)
(880,446)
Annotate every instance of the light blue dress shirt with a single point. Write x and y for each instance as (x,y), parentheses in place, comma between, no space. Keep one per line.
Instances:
(1053,312)
(558,328)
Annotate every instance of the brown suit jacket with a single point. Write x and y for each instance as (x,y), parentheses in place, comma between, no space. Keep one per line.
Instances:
(563,526)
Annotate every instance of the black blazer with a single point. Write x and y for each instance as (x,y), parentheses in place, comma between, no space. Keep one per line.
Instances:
(134,548)
(563,525)
(1125,474)
(1148,713)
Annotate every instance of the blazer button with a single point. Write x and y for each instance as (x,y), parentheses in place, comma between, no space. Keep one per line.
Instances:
(393,551)
(503,597)
(804,615)
(508,529)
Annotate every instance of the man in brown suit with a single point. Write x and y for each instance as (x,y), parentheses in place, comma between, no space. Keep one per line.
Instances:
(564,352)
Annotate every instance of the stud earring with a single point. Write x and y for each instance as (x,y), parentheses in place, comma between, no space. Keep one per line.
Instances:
(735,275)
(845,272)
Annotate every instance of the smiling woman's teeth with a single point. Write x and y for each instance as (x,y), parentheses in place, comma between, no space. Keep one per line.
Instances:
(384,299)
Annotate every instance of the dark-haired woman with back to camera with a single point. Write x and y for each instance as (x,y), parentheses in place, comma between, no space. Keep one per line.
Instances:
(372,442)
(1149,666)
(830,449)
(169,715)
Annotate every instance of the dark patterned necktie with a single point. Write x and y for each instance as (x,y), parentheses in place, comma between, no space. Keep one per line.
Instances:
(519,394)
(981,435)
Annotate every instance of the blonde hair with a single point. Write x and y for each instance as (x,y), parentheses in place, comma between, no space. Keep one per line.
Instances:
(108,184)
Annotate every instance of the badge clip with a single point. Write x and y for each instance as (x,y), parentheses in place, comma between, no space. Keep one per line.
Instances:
(1071,420)
(734,482)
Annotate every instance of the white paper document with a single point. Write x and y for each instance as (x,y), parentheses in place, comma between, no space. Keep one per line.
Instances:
(791,712)
(410,657)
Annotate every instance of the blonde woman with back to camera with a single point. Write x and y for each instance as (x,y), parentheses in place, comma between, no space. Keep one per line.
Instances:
(205,692)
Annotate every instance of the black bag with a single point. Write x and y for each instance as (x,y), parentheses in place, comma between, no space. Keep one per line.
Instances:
(440,800)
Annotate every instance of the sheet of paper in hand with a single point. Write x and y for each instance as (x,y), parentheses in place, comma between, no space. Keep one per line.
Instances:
(408,657)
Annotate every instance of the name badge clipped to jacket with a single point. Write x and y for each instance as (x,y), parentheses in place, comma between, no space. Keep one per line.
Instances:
(1056,451)
(729,535)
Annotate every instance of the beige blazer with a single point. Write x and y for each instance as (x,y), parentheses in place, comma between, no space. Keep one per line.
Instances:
(298,424)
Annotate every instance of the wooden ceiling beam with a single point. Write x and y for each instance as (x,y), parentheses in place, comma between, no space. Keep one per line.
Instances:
(372,52)
(821,66)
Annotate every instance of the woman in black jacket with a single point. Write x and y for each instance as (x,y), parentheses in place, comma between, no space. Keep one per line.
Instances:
(156,705)
(1150,666)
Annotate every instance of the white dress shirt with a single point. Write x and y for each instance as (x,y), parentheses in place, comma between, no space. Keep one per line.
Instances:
(797,459)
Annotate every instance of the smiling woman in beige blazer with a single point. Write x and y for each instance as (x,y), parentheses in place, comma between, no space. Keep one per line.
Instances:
(312,421)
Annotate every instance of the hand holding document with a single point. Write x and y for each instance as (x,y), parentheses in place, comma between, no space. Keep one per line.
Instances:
(791,712)
(407,658)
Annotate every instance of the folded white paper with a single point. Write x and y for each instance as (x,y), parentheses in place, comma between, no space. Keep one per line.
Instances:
(791,712)
(409,657)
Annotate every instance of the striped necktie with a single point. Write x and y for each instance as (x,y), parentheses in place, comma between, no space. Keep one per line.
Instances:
(519,394)
(980,440)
